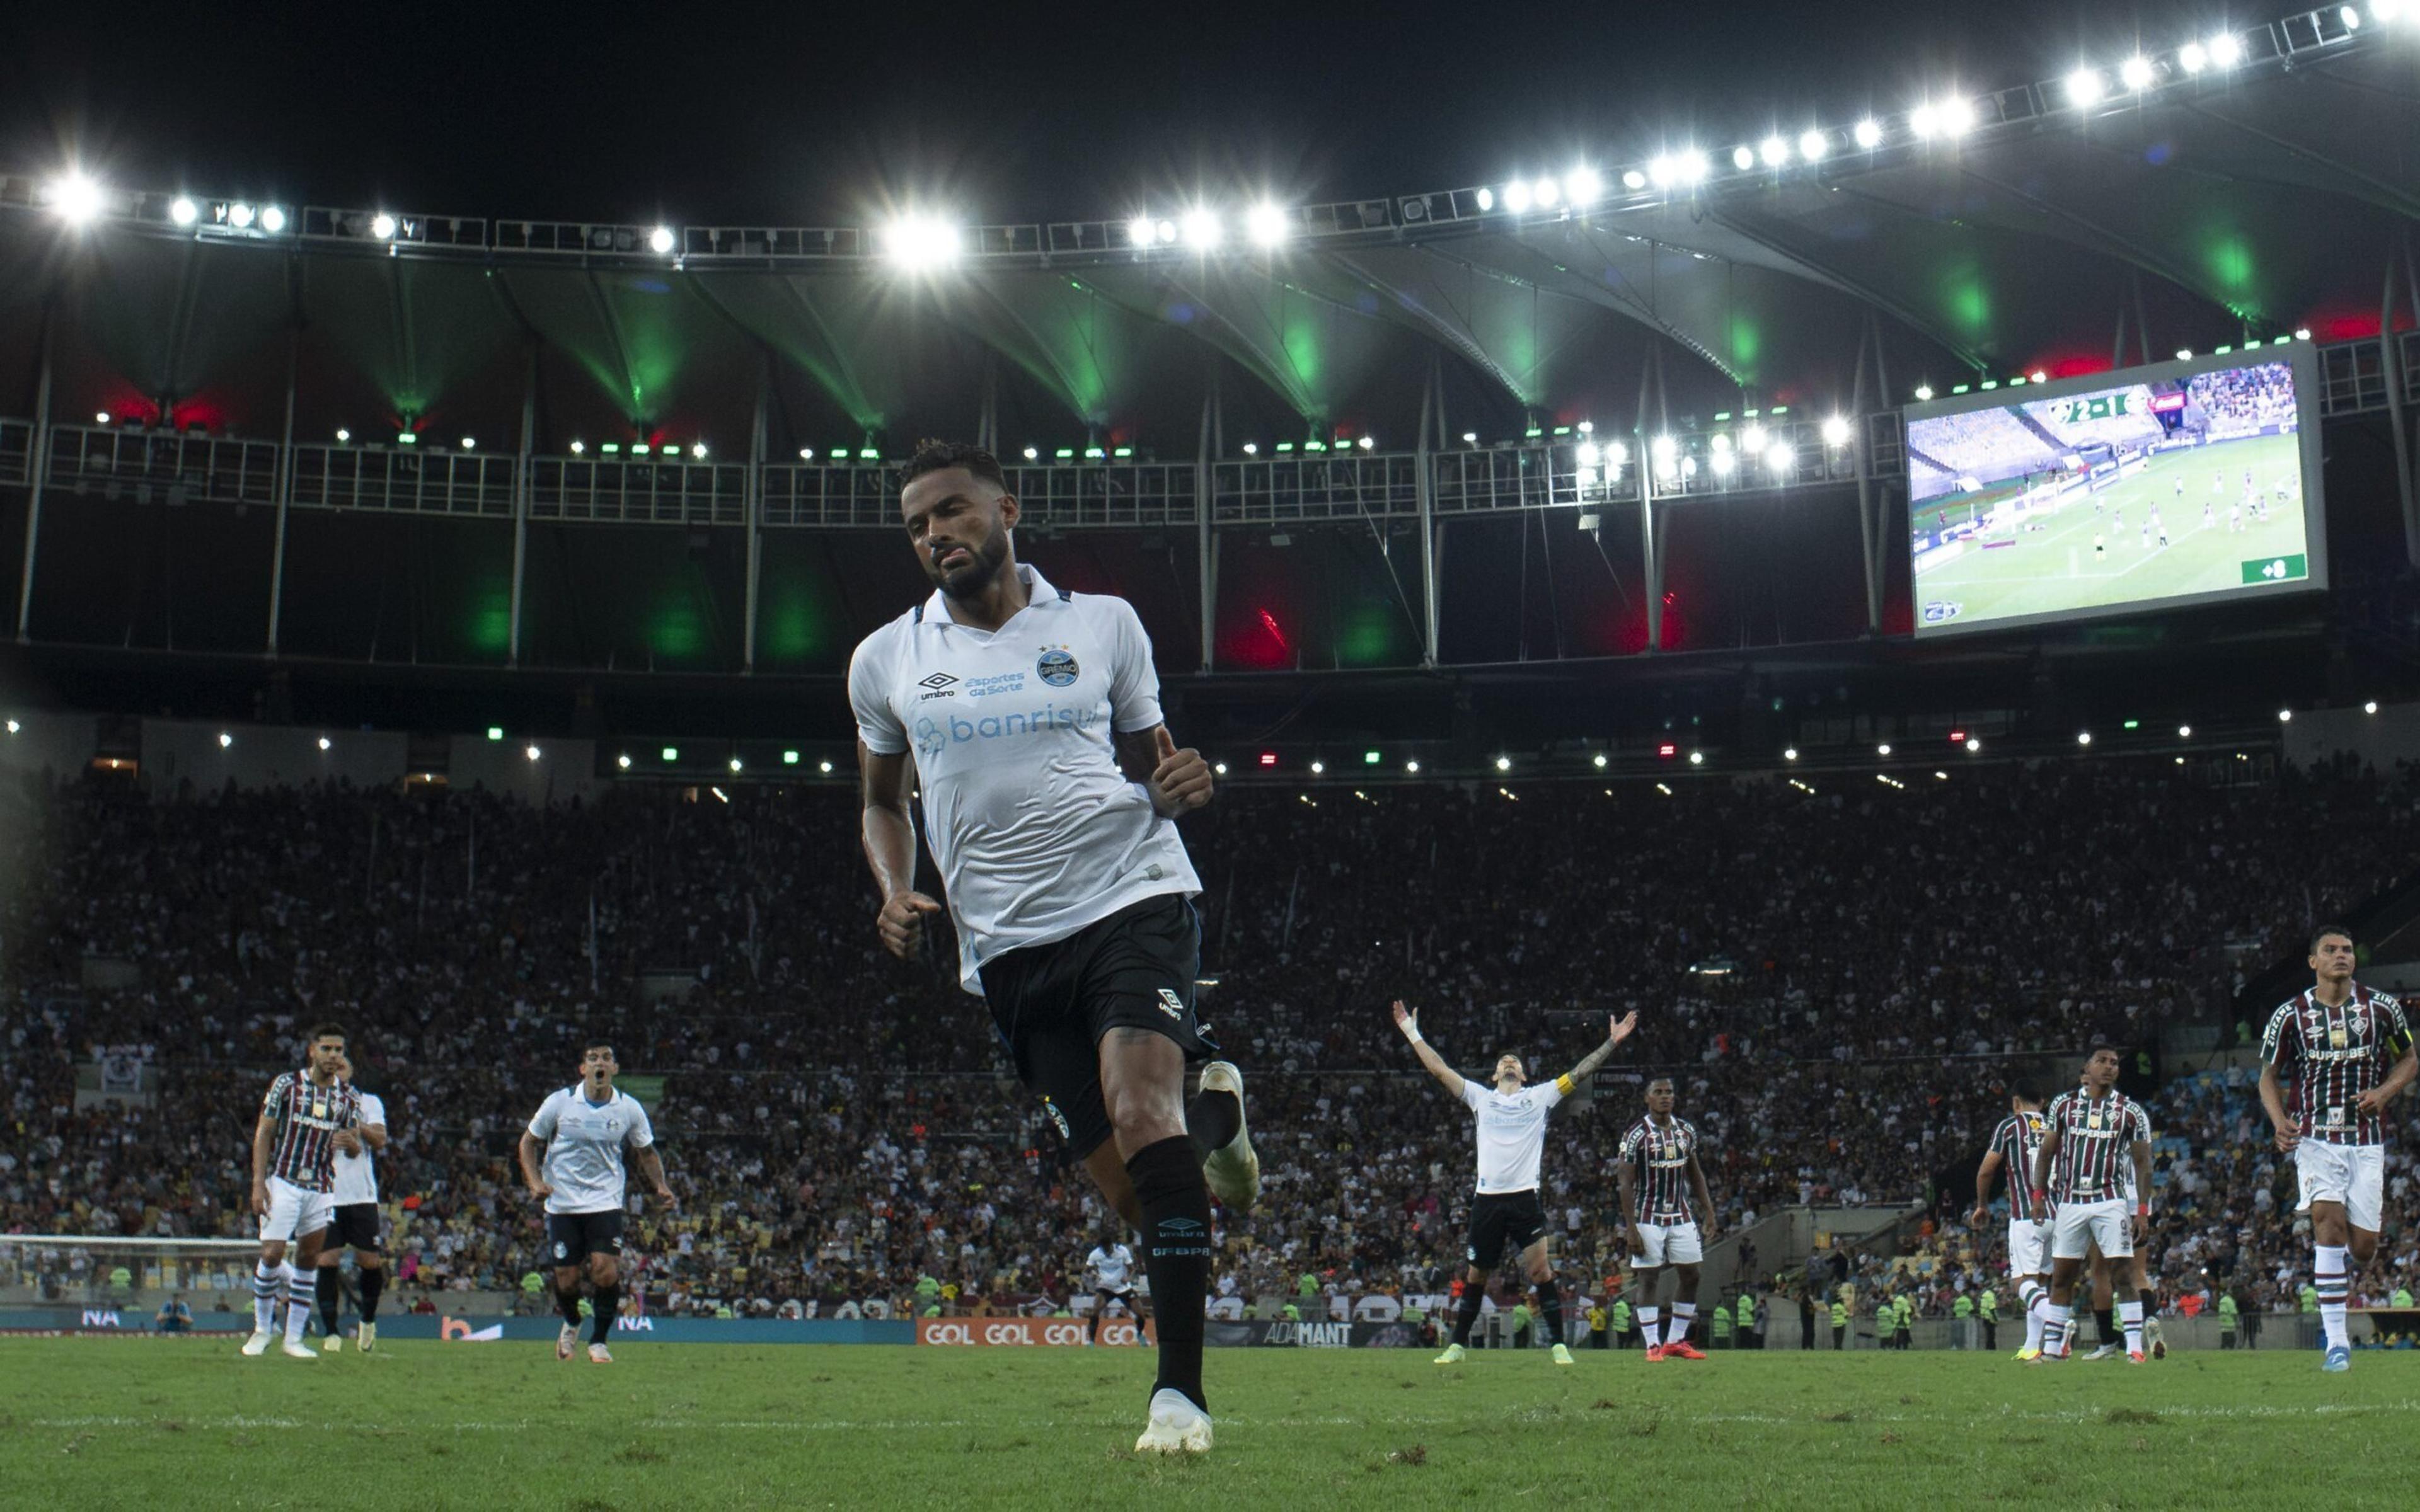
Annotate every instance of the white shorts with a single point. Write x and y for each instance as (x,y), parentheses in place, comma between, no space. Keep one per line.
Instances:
(2079,1226)
(1669,1243)
(293,1213)
(2029,1246)
(2354,1175)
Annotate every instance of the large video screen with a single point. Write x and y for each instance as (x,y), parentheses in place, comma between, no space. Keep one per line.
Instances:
(2185,483)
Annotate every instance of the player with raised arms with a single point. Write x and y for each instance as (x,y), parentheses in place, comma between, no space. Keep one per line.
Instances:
(2091,1133)
(572,1156)
(2012,1148)
(1671,1213)
(1028,723)
(2348,1050)
(1510,1122)
(354,1226)
(309,1116)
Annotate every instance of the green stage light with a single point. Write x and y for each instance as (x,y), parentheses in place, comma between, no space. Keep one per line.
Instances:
(789,758)
(671,754)
(495,732)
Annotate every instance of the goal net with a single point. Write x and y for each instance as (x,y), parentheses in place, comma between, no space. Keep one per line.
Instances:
(131,1279)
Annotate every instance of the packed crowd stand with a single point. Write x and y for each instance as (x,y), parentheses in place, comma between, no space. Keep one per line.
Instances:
(1841,981)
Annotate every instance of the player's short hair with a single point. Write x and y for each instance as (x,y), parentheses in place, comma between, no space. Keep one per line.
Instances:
(2027,1089)
(934,455)
(2100,1042)
(606,1045)
(328,1031)
(1652,1082)
(2326,930)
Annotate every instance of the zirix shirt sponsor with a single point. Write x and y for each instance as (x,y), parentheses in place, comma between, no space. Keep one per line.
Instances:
(1037,832)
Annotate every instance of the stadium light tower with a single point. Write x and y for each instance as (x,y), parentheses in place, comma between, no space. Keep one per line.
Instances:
(1836,431)
(1143,231)
(239,215)
(272,220)
(1812,145)
(920,243)
(382,225)
(1516,197)
(74,198)
(2226,50)
(2193,57)
(1582,186)
(1743,158)
(1775,151)
(1867,134)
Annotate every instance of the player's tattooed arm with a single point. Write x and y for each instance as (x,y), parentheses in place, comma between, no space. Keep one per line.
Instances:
(651,1165)
(1409,1023)
(1617,1030)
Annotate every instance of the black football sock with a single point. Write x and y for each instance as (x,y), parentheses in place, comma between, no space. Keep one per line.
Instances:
(566,1301)
(2144,1296)
(609,1305)
(373,1279)
(1213,1118)
(1175,1254)
(1473,1299)
(1100,1310)
(329,1288)
(1550,1308)
(2107,1318)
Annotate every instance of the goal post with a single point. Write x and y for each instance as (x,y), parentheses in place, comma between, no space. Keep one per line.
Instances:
(114,1270)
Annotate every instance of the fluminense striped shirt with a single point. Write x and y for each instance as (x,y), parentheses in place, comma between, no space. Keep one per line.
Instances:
(2096,1145)
(308,1116)
(1661,1153)
(2333,1054)
(2016,1141)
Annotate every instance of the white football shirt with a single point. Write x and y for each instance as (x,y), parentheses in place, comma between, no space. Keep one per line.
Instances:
(357,1174)
(583,1147)
(1511,1132)
(1037,832)
(1110,1266)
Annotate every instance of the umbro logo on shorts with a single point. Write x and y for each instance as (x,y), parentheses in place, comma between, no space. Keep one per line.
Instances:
(1171,1004)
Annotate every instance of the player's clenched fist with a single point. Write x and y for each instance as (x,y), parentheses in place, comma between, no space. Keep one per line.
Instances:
(1182,778)
(901,923)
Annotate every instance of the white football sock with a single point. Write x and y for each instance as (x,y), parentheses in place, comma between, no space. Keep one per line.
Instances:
(2328,1278)
(268,1281)
(1647,1319)
(1677,1331)
(298,1303)
(2130,1315)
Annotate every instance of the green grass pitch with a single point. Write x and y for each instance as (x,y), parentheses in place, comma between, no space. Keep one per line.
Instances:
(2056,568)
(186,1422)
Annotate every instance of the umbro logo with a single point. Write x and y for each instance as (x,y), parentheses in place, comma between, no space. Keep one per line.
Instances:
(1180,1225)
(937,680)
(1171,1004)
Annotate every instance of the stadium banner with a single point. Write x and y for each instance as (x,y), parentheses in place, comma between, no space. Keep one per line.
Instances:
(1016,1333)
(1262,1332)
(137,1321)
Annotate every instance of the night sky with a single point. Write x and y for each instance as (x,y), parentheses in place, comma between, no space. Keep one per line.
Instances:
(821,114)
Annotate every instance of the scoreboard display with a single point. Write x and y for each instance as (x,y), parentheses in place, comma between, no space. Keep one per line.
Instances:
(2181,483)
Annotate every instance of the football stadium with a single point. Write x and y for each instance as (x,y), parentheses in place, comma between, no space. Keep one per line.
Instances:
(1053,764)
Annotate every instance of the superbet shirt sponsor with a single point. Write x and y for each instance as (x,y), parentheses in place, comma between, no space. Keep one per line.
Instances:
(1037,832)
(1511,1132)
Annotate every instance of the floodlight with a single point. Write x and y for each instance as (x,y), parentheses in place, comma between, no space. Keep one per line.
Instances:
(1267,224)
(697,452)
(1775,151)
(1662,170)
(1504,764)
(1923,122)
(734,764)
(1957,115)
(1251,448)
(2085,88)
(2184,732)
(1033,454)
(2350,16)
(226,740)
(1486,199)
(1724,462)
(1780,456)
(1369,444)
(2193,57)
(2185,354)
(382,225)
(1588,453)
(73,198)
(1923,393)
(100,419)
(530,752)
(2084,737)
(1743,158)
(623,760)
(807,453)
(1720,443)
(2136,73)
(2371,707)
(1545,193)
(2226,50)
(184,211)
(1867,134)
(343,436)
(1836,431)
(2284,715)
(1167,233)
(272,220)
(1812,145)
(1600,760)
(1883,749)
(1633,179)
(1470,437)
(1663,448)
(1318,768)
(2387,9)
(920,241)
(1201,229)
(1692,166)
(1586,427)
(1788,753)
(1516,197)
(239,216)
(2040,375)
(1141,230)
(1582,186)
(470,444)
(2301,333)
(1752,438)
(660,240)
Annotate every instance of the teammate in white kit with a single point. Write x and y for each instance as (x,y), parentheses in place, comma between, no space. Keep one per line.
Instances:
(1108,1270)
(1028,723)
(581,1133)
(355,1226)
(1509,1123)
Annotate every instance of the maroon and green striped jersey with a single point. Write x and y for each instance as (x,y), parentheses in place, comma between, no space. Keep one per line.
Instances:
(307,1117)
(2096,1145)
(2015,1141)
(2333,1053)
(1661,1153)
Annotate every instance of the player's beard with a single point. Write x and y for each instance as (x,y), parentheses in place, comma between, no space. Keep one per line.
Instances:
(976,575)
